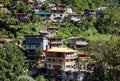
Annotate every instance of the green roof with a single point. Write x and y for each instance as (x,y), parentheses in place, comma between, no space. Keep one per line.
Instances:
(42,13)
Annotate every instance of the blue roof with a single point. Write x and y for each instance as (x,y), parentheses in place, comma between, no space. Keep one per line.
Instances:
(42,13)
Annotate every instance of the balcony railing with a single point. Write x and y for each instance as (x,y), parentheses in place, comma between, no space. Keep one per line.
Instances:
(71,56)
(79,69)
(81,43)
(69,76)
(56,42)
(54,62)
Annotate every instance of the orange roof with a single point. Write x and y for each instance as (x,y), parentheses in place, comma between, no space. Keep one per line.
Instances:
(84,58)
(64,50)
(31,1)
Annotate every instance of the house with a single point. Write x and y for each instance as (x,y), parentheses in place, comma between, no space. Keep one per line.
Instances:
(88,12)
(44,33)
(55,42)
(78,42)
(69,9)
(61,62)
(36,41)
(38,6)
(2,8)
(84,67)
(51,3)
(43,15)
(67,64)
(33,42)
(57,13)
(37,9)
(100,10)
(74,17)
(83,62)
(15,41)
(22,17)
(53,30)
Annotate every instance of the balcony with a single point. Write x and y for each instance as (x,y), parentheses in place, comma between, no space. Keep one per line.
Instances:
(70,77)
(58,63)
(55,55)
(81,43)
(71,69)
(54,61)
(55,42)
(70,62)
(68,56)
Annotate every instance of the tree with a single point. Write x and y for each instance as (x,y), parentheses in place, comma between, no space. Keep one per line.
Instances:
(107,56)
(108,22)
(25,78)
(8,22)
(40,78)
(11,62)
(45,5)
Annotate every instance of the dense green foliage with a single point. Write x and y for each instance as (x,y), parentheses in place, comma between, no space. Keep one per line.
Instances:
(109,21)
(40,78)
(11,62)
(27,29)
(15,5)
(107,55)
(11,27)
(103,32)
(98,28)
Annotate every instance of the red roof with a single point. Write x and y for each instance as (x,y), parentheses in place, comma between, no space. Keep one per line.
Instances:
(83,57)
(58,7)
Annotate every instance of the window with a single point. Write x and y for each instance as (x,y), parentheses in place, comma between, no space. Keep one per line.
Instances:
(49,59)
(55,54)
(59,55)
(60,60)
(49,65)
(29,45)
(69,74)
(61,11)
(42,15)
(37,46)
(68,66)
(53,60)
(54,15)
(37,40)
(67,60)
(54,11)
(60,66)
(31,40)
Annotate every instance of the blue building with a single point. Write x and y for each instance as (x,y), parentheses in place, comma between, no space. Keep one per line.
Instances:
(36,41)
(33,42)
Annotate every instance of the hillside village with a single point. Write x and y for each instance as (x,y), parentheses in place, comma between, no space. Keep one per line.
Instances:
(49,53)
